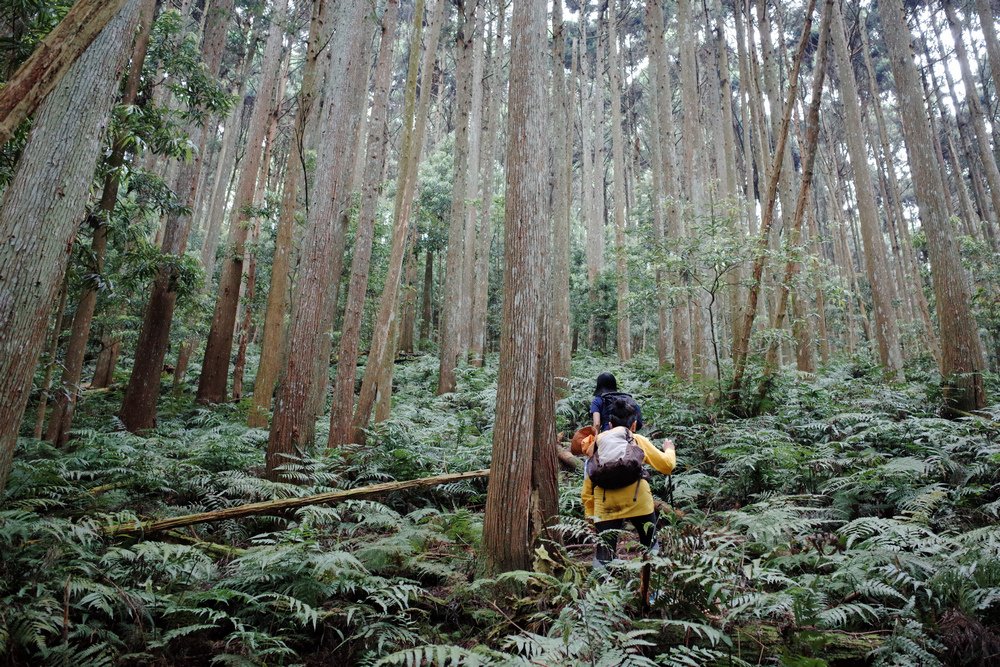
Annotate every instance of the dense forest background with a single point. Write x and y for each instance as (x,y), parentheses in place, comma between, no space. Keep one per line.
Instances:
(301,301)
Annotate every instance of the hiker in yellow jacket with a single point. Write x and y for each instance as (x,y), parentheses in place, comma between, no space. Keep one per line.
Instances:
(610,508)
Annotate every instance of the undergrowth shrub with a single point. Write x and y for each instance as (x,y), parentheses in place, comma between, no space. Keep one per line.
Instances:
(846,522)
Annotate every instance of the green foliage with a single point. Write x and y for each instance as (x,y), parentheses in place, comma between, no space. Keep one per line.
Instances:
(849,524)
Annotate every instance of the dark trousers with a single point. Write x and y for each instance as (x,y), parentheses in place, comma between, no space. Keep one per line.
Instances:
(607,532)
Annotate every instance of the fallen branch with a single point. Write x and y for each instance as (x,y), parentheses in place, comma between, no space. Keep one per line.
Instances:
(218,550)
(271,506)
(568,461)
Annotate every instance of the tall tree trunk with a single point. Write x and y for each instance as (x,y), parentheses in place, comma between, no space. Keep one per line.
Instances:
(727,154)
(987,21)
(245,331)
(293,426)
(342,408)
(274,342)
(476,115)
(427,296)
(224,173)
(453,289)
(415,121)
(219,346)
(916,285)
(107,359)
(876,255)
(492,98)
(562,167)
(802,201)
(41,209)
(667,194)
(138,411)
(521,483)
(357,82)
(618,158)
(982,138)
(962,360)
(662,169)
(592,168)
(61,419)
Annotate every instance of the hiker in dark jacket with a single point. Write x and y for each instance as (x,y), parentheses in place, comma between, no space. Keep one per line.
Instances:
(607,385)
(609,508)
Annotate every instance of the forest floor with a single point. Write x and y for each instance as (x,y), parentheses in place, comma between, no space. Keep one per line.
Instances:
(848,524)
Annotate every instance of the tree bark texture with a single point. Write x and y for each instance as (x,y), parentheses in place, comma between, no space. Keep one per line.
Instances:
(624,328)
(274,340)
(138,411)
(802,201)
(915,290)
(294,421)
(342,407)
(61,419)
(219,346)
(741,342)
(51,60)
(343,189)
(976,114)
(452,323)
(492,100)
(562,167)
(514,487)
(41,209)
(383,347)
(876,254)
(962,360)
(51,353)
(666,190)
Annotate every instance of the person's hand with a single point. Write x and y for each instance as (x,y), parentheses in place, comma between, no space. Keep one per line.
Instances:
(668,444)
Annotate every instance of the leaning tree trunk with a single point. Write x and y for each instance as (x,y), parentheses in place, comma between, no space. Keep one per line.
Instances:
(219,346)
(51,60)
(741,338)
(962,360)
(910,268)
(383,347)
(808,161)
(514,488)
(982,138)
(61,419)
(41,209)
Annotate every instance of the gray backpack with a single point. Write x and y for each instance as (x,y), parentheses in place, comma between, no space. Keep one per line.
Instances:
(617,460)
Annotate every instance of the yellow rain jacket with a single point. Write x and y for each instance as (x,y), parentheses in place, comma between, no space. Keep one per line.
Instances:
(609,504)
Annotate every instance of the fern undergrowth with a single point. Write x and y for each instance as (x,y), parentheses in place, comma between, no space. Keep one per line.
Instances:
(849,524)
